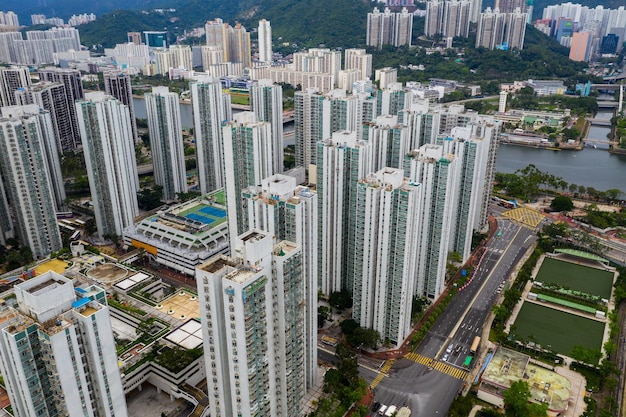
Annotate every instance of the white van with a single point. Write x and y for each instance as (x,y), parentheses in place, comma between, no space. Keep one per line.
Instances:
(382,409)
(392,409)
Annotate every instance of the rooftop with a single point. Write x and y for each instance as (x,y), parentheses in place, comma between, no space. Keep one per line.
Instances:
(546,386)
(217,263)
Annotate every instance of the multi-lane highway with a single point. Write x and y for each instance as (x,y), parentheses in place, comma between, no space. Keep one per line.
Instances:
(422,380)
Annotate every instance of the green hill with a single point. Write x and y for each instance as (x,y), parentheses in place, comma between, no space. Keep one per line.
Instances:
(334,23)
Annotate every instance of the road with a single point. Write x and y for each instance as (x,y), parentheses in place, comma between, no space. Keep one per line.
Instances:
(427,391)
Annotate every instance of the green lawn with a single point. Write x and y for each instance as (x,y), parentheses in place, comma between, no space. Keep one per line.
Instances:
(562,331)
(576,277)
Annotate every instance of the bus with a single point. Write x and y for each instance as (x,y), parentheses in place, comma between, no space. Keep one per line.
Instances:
(475,344)
(79,222)
(468,361)
(75,235)
(65,215)
(327,340)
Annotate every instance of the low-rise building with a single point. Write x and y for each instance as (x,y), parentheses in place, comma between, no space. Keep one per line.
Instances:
(508,366)
(185,235)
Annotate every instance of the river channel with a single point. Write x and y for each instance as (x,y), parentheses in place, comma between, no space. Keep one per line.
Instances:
(591,167)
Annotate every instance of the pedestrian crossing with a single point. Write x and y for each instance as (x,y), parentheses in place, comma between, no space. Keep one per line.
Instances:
(383,373)
(438,365)
(525,216)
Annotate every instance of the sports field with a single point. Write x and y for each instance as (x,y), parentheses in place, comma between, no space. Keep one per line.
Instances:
(561,331)
(205,214)
(576,277)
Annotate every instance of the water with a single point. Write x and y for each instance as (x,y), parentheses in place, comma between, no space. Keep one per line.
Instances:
(591,167)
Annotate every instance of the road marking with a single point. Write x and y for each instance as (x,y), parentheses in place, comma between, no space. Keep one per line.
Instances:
(439,366)
(383,373)
(480,290)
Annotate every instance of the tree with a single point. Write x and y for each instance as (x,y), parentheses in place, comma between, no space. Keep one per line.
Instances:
(561,203)
(516,402)
(348,365)
(150,198)
(90,227)
(340,299)
(190,195)
(614,194)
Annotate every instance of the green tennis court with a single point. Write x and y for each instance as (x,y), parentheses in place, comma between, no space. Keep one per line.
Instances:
(561,331)
(576,277)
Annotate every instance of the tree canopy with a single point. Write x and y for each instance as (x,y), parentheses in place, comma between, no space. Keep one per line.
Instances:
(561,203)
(516,402)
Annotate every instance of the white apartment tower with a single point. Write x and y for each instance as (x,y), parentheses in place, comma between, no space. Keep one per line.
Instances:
(359,59)
(384,267)
(456,18)
(11,79)
(72,81)
(403,28)
(166,141)
(471,146)
(57,352)
(266,101)
(390,141)
(210,108)
(118,86)
(289,212)
(248,159)
(490,29)
(311,111)
(265,41)
(176,56)
(32,176)
(52,96)
(7,229)
(109,149)
(341,162)
(434,18)
(389,28)
(233,41)
(252,314)
(436,172)
(515,29)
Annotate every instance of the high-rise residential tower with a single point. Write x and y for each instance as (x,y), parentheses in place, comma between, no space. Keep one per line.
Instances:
(266,101)
(57,352)
(248,159)
(359,59)
(289,212)
(11,79)
(31,173)
(490,30)
(166,141)
(53,97)
(515,29)
(389,28)
(118,86)
(265,41)
(109,149)
(211,107)
(252,315)
(436,172)
(234,41)
(311,109)
(72,81)
(456,18)
(341,162)
(384,267)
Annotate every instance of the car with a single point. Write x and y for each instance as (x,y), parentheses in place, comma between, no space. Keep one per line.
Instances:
(449,349)
(445,358)
(376,406)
